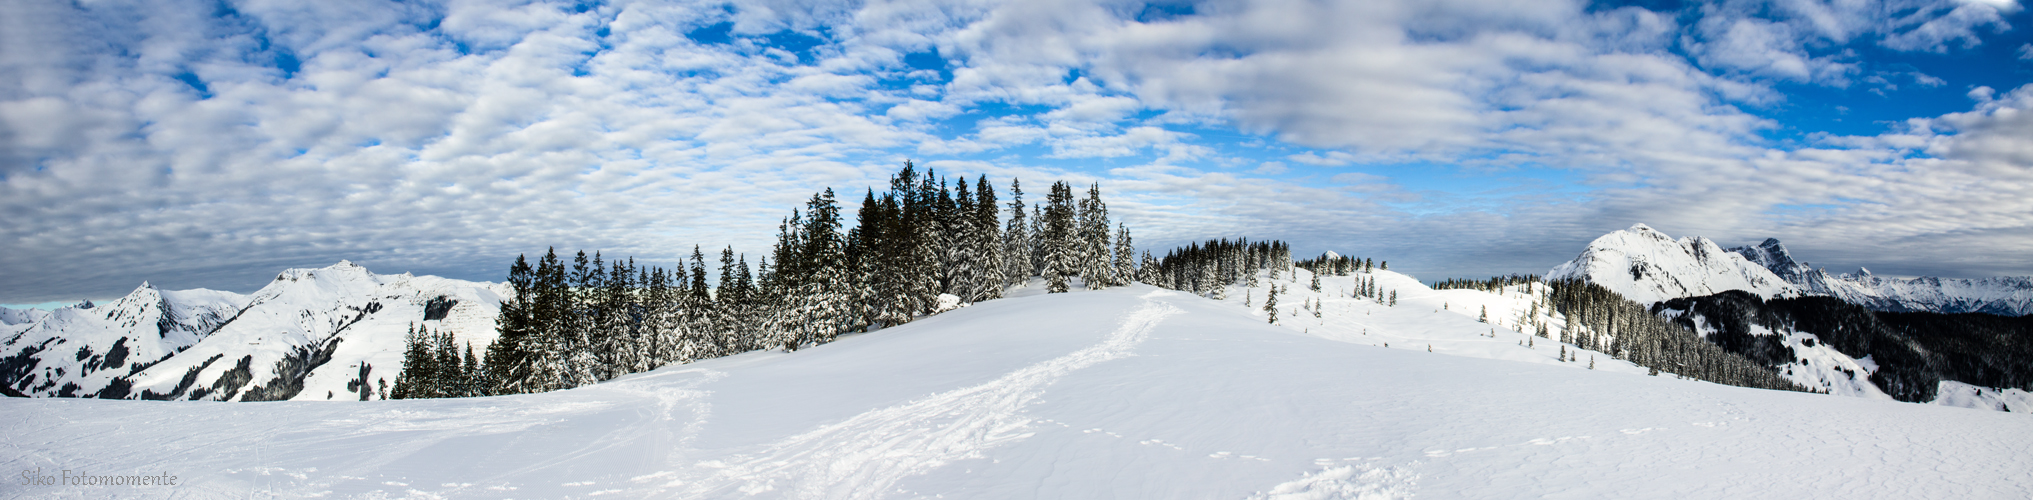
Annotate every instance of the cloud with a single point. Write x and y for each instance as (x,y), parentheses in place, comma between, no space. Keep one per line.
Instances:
(1331,159)
(202,146)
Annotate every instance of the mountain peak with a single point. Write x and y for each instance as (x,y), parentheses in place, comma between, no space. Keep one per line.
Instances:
(1648,266)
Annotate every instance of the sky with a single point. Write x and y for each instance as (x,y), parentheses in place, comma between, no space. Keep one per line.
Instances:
(213,144)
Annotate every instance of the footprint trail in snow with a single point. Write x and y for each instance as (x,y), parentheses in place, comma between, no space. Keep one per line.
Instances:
(866,455)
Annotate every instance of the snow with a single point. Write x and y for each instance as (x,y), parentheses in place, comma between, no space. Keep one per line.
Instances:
(1648,267)
(1952,393)
(77,350)
(1816,365)
(2009,296)
(1124,392)
(11,316)
(359,317)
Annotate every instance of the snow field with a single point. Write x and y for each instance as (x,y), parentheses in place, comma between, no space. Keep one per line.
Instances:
(1130,392)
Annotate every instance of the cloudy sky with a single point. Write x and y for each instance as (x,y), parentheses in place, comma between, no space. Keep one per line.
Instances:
(212,144)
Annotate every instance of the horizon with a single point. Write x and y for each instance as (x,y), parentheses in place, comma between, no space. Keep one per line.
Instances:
(201,146)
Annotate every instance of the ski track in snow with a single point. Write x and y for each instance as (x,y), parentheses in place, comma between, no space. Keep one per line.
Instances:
(866,455)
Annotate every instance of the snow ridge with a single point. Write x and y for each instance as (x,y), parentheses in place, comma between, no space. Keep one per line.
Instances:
(865,456)
(2007,296)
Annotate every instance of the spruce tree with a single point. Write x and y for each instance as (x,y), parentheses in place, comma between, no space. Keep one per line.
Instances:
(1060,239)
(1125,255)
(986,239)
(1016,240)
(507,364)
(1271,304)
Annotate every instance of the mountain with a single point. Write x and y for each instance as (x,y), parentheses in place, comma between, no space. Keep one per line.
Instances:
(81,349)
(2008,296)
(1647,266)
(10,316)
(328,333)
(1126,392)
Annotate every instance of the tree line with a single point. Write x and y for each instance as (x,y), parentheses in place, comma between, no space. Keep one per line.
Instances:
(924,245)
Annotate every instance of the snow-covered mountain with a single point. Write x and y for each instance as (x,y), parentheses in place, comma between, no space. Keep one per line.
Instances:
(2008,296)
(11,316)
(1125,392)
(1647,266)
(312,334)
(81,349)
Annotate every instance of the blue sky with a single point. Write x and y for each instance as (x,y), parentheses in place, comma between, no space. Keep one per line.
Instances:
(212,144)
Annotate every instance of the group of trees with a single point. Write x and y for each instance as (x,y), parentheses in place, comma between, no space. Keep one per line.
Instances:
(1599,319)
(1596,318)
(434,368)
(1209,268)
(1913,351)
(922,245)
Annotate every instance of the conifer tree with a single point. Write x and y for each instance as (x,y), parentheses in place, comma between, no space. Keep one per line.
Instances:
(1271,304)
(1125,255)
(418,366)
(986,240)
(1016,240)
(1060,238)
(507,357)
(473,374)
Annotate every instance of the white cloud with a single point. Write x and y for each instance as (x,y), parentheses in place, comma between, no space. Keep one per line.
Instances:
(511,127)
(1331,159)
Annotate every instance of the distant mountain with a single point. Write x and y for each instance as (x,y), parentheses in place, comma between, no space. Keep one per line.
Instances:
(11,316)
(1647,267)
(329,333)
(1916,340)
(2008,296)
(80,349)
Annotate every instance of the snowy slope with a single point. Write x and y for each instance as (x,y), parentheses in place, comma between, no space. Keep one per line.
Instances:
(81,349)
(1647,266)
(1129,392)
(307,334)
(2009,296)
(1446,321)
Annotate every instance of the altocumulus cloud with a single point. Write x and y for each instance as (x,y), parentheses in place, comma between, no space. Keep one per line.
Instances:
(207,144)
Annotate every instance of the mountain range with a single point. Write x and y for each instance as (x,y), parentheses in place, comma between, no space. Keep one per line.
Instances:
(1649,267)
(311,334)
(1967,342)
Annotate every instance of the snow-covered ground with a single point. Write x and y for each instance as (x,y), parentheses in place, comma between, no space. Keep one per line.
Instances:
(1128,392)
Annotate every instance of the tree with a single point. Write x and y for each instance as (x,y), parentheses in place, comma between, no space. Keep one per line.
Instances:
(1271,304)
(507,357)
(419,366)
(1016,240)
(1060,239)
(1125,255)
(989,254)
